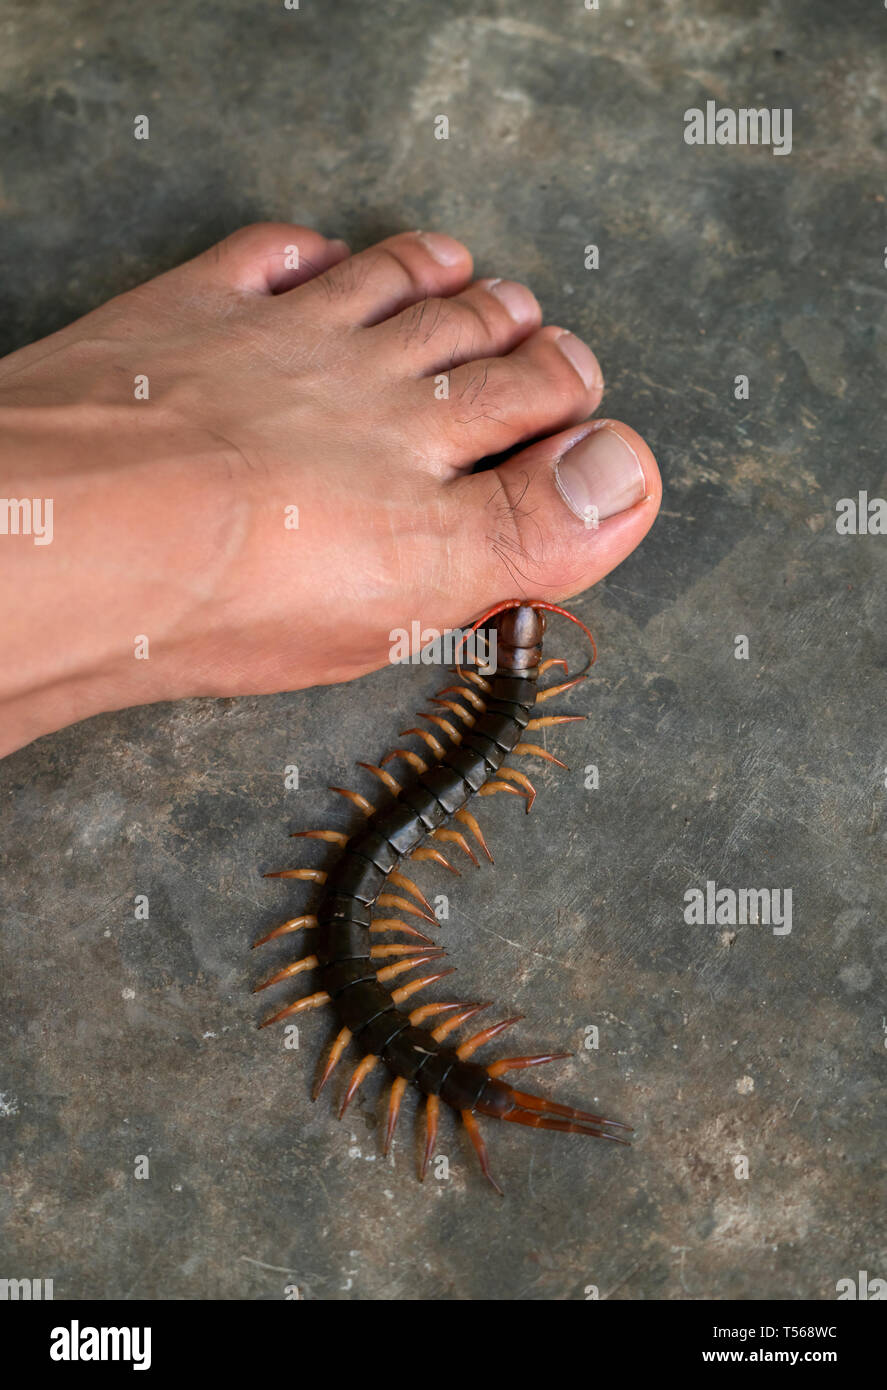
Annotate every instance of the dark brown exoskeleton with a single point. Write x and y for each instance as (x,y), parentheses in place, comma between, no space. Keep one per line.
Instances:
(491,724)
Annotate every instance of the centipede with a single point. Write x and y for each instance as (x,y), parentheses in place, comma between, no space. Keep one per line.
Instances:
(477,723)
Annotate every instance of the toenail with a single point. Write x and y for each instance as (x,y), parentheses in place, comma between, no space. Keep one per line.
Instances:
(582,358)
(519,303)
(600,476)
(444,249)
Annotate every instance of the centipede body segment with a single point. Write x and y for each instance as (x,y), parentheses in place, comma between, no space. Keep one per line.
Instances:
(362,976)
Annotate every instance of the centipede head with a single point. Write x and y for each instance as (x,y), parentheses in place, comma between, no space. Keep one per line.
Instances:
(520,625)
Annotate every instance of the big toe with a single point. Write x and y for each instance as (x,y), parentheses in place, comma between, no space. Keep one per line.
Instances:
(556,517)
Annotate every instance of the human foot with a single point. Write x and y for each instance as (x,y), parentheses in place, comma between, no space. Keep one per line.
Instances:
(352,394)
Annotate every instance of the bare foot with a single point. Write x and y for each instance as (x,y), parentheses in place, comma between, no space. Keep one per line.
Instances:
(298,481)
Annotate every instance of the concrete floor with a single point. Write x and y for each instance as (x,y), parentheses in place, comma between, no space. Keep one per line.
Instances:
(125,1038)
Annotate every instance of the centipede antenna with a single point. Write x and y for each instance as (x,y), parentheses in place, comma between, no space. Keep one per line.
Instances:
(473,1130)
(426,852)
(297,967)
(333,837)
(398,1086)
(385,777)
(432,1114)
(305,875)
(471,821)
(470,1045)
(293,924)
(337,1050)
(402,905)
(407,884)
(532,750)
(361,1071)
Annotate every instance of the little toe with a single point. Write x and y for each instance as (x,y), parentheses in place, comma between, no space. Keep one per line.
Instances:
(265,258)
(435,335)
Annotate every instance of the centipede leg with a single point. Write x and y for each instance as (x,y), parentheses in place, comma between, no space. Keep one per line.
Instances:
(532,750)
(340,1043)
(398,1086)
(361,1071)
(292,925)
(432,1115)
(552,690)
(311,1001)
(471,821)
(506,1064)
(470,1045)
(473,1130)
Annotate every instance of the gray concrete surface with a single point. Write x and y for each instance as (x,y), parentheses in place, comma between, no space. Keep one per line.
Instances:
(124,1038)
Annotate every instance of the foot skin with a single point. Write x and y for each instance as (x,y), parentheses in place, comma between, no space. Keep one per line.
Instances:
(359,390)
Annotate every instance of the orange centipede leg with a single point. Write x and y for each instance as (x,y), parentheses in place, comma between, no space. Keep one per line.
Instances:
(398,1086)
(390,782)
(340,1043)
(306,875)
(293,924)
(306,963)
(405,991)
(311,1001)
(473,1130)
(444,1029)
(547,720)
(470,1045)
(362,1070)
(553,661)
(432,1115)
(357,800)
(506,1064)
(333,837)
(426,852)
(553,690)
(392,900)
(471,821)
(532,750)
(395,925)
(401,881)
